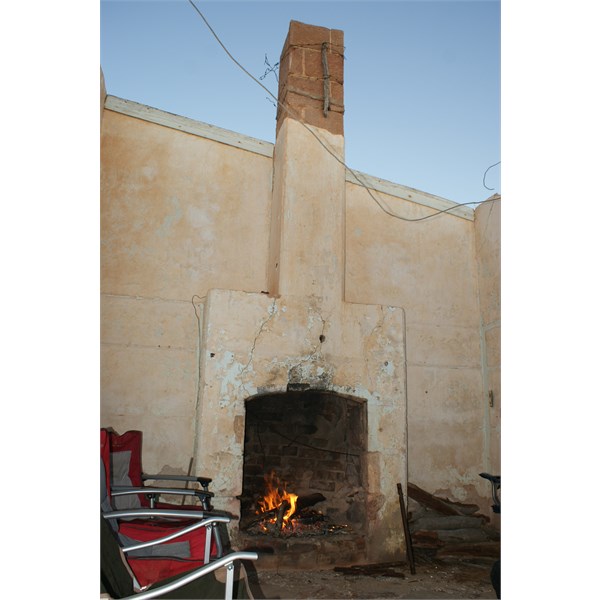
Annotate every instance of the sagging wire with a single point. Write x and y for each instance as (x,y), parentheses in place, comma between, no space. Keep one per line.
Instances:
(328,150)
(486,171)
(295,441)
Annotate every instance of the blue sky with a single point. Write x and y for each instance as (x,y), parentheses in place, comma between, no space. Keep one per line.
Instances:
(422,78)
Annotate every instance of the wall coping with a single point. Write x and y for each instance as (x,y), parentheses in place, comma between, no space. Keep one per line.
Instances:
(250,144)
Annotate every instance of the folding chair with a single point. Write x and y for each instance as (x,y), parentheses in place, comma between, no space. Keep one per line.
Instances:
(188,538)
(127,473)
(217,579)
(127,479)
(495,572)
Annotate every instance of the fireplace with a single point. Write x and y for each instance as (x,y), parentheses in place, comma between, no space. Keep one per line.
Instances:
(313,444)
(295,381)
(310,444)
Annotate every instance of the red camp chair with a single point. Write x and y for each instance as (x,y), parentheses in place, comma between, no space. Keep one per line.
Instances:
(127,473)
(118,581)
(187,536)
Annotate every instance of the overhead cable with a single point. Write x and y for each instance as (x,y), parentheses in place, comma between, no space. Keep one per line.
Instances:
(333,154)
(486,171)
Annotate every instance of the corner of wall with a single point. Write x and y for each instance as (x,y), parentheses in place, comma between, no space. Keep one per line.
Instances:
(487,256)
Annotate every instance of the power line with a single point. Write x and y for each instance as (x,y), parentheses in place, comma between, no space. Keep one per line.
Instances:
(485,186)
(333,154)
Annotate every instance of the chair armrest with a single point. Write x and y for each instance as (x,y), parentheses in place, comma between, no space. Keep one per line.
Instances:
(204,481)
(208,521)
(151,490)
(169,513)
(135,513)
(225,561)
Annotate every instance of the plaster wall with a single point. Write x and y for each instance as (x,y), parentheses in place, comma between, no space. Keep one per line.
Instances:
(180,214)
(487,240)
(429,268)
(306,336)
(186,224)
(308,225)
(256,345)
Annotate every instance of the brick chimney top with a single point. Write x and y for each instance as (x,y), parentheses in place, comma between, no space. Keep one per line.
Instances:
(311,77)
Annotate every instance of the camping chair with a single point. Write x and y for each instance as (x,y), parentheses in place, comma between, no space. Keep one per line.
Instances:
(187,538)
(127,473)
(495,481)
(118,581)
(495,572)
(127,479)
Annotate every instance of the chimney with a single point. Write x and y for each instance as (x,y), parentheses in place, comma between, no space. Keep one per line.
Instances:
(311,77)
(305,337)
(307,228)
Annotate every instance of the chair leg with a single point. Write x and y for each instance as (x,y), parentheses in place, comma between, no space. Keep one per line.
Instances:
(229,582)
(207,543)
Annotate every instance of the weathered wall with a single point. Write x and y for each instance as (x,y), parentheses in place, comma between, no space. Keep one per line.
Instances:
(428,267)
(254,345)
(195,232)
(487,242)
(303,333)
(180,215)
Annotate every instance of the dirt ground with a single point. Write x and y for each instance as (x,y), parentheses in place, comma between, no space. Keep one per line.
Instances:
(433,579)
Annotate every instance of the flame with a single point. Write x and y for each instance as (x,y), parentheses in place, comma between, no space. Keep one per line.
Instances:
(275,496)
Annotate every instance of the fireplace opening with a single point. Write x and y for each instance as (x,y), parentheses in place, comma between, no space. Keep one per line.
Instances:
(304,467)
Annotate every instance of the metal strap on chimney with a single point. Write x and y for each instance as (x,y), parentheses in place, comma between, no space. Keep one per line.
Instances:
(326,83)
(300,92)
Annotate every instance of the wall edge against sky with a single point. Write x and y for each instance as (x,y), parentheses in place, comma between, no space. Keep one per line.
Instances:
(250,144)
(187,125)
(410,194)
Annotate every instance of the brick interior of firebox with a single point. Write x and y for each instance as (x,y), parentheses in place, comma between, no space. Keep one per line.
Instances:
(314,442)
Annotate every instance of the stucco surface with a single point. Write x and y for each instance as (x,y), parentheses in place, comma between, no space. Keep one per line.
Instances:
(256,345)
(180,214)
(487,241)
(309,192)
(149,369)
(189,244)
(428,268)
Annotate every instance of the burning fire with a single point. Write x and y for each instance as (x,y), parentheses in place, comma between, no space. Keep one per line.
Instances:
(275,496)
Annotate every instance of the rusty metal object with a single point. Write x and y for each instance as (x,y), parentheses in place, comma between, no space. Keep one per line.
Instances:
(409,550)
(326,83)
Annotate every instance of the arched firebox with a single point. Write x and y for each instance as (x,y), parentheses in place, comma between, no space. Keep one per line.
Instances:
(304,472)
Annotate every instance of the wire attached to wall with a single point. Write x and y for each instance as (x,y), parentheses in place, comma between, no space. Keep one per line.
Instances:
(322,143)
(199,304)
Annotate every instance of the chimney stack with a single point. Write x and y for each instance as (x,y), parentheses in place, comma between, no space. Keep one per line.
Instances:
(311,77)
(306,255)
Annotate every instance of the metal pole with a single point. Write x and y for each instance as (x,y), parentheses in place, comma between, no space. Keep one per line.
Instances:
(409,551)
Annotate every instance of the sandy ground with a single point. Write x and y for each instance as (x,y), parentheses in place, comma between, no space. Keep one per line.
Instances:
(433,579)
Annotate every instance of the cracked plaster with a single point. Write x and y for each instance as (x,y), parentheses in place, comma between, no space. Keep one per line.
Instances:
(257,345)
